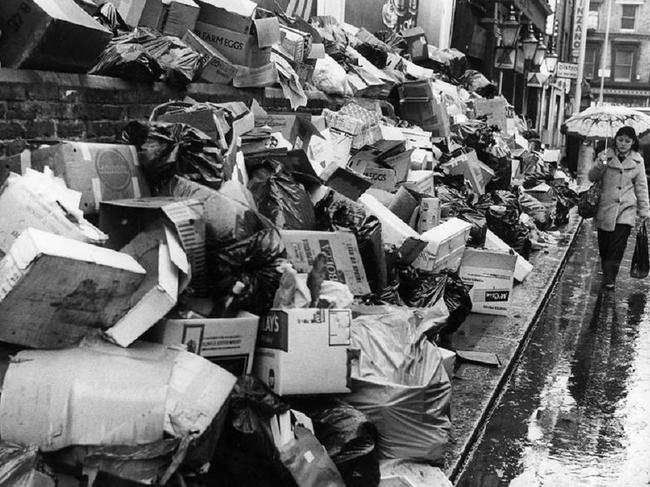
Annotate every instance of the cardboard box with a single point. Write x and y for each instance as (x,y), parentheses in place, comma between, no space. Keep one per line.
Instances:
(160,253)
(490,273)
(101,172)
(381,177)
(238,31)
(98,394)
(50,35)
(403,205)
(394,231)
(429,216)
(347,182)
(416,41)
(468,166)
(227,342)
(343,258)
(522,266)
(445,244)
(181,17)
(35,200)
(123,220)
(72,287)
(304,351)
(153,14)
(218,69)
(129,10)
(420,181)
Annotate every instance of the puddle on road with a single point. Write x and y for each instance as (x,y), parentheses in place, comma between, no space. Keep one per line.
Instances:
(577,409)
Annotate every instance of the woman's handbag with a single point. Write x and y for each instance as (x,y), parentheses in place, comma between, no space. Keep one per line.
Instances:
(640,261)
(588,202)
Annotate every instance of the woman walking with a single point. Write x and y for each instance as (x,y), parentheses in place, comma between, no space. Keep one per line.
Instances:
(623,199)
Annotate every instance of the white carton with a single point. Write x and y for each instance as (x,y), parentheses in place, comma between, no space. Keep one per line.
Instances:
(429,216)
(227,342)
(522,266)
(445,245)
(394,231)
(304,351)
(490,273)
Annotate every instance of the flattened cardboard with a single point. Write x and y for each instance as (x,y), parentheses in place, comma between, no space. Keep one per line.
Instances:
(50,35)
(101,172)
(74,288)
(304,351)
(344,262)
(227,342)
(490,273)
(51,398)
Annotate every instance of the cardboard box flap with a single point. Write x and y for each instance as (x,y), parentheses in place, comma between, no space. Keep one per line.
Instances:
(268,31)
(52,399)
(33,243)
(69,11)
(245,8)
(489,259)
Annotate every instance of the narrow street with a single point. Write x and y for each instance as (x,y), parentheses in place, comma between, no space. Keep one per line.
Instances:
(576,410)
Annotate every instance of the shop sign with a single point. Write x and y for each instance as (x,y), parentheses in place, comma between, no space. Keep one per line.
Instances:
(567,70)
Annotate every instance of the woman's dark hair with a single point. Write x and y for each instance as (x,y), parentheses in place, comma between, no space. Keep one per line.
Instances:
(631,133)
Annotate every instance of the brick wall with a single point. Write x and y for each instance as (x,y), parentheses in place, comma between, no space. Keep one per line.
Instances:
(47,105)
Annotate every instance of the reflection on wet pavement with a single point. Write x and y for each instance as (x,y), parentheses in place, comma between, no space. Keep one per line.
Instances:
(577,409)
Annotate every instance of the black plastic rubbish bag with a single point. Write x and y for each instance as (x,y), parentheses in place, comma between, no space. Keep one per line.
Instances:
(144,55)
(176,149)
(475,81)
(566,199)
(246,455)
(640,262)
(335,212)
(504,222)
(350,440)
(533,208)
(479,227)
(449,287)
(284,201)
(256,262)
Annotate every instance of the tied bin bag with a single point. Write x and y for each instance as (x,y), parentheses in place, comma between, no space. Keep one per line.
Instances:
(400,383)
(640,262)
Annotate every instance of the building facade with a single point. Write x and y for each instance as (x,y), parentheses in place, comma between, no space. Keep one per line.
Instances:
(626,72)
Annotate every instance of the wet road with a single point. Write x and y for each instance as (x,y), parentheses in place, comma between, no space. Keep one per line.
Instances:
(576,411)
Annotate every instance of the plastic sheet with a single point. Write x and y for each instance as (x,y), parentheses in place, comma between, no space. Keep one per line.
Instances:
(401,385)
(350,439)
(17,464)
(175,149)
(532,207)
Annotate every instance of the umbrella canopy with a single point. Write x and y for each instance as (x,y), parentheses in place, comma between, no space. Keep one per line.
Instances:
(602,122)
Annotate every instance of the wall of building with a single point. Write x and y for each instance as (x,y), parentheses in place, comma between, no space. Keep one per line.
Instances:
(48,105)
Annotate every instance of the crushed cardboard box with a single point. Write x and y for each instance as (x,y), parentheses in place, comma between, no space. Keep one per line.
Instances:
(72,287)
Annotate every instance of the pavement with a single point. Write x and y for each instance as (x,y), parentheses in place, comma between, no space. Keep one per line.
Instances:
(476,388)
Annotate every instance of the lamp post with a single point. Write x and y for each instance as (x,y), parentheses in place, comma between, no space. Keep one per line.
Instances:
(529,47)
(505,53)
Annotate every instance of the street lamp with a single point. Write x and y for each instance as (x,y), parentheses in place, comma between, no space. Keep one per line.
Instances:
(540,52)
(510,29)
(551,59)
(529,44)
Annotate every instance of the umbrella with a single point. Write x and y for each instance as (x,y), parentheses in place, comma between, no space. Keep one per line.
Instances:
(602,122)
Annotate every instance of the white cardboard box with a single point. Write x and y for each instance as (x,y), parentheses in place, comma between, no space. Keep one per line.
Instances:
(304,351)
(344,262)
(228,342)
(429,216)
(54,290)
(522,266)
(444,240)
(394,231)
(490,273)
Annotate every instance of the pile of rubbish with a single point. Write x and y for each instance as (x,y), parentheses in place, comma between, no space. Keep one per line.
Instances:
(244,297)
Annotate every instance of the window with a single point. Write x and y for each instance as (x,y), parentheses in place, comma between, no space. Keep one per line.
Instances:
(628,17)
(623,63)
(592,15)
(592,55)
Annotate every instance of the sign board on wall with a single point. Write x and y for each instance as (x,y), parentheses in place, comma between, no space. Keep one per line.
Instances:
(567,70)
(578,26)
